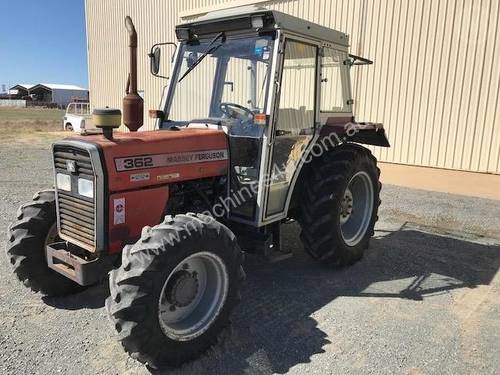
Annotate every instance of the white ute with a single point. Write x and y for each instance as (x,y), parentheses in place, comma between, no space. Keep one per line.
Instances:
(78,118)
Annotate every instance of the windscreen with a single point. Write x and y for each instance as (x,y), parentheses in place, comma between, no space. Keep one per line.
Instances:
(235,71)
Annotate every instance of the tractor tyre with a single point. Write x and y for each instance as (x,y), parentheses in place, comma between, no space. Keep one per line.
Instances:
(173,294)
(339,204)
(35,228)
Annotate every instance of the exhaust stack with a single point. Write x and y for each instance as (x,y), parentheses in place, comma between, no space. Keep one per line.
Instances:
(133,105)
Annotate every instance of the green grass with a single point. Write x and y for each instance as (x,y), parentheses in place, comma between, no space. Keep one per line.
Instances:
(30,114)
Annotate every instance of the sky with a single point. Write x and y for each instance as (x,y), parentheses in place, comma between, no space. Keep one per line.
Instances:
(43,41)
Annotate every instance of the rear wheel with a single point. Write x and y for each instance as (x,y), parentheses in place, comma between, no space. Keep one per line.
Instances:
(340,204)
(69,127)
(26,250)
(173,293)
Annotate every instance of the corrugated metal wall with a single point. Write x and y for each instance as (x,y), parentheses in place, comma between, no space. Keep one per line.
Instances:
(435,82)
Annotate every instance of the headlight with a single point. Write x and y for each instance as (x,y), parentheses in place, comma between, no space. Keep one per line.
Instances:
(63,181)
(86,188)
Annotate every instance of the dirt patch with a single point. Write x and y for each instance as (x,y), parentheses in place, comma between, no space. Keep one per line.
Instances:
(31,138)
(30,125)
(474,309)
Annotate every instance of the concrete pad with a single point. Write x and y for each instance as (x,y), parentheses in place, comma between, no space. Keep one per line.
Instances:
(482,185)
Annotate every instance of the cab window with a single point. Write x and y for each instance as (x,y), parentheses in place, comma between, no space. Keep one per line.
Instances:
(335,93)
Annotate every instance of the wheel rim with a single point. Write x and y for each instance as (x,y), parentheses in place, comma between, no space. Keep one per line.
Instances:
(356,208)
(52,235)
(193,296)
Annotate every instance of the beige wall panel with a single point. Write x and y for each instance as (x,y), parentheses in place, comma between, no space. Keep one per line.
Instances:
(435,82)
(441,77)
(480,147)
(487,150)
(424,101)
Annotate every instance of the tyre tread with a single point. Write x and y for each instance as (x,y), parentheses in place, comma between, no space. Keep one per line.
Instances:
(325,177)
(133,282)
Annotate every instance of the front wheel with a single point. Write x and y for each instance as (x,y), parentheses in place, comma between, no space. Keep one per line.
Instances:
(174,291)
(340,205)
(34,229)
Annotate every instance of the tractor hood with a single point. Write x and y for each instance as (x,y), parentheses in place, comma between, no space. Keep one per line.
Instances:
(152,158)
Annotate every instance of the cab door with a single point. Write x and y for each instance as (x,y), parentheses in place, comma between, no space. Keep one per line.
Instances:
(294,123)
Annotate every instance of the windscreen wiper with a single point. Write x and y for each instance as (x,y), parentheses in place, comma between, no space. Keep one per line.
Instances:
(209,50)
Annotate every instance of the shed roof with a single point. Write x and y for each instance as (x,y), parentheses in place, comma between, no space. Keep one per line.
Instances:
(25,86)
(56,86)
(50,86)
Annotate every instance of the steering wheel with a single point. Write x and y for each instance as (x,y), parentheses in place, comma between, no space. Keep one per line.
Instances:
(237,111)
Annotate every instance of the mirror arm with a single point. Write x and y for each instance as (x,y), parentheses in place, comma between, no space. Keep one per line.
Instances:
(357,60)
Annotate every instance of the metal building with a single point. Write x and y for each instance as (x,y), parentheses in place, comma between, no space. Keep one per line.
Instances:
(58,94)
(21,90)
(434,85)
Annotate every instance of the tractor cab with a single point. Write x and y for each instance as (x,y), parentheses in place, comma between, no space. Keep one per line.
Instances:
(271,81)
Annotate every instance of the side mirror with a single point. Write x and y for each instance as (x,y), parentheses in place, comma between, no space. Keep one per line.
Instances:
(155,58)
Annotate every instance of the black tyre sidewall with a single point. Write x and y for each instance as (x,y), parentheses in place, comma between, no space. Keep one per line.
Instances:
(325,182)
(147,341)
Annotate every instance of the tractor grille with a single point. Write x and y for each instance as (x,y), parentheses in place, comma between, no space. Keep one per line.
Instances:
(76,212)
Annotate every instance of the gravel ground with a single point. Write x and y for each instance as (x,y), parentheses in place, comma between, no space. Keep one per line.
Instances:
(424,299)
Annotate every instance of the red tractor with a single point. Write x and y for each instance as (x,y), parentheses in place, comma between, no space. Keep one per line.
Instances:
(255,129)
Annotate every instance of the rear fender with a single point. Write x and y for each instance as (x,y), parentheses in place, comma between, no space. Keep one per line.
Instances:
(340,130)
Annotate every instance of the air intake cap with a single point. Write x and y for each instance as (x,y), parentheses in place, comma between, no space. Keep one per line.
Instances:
(107,119)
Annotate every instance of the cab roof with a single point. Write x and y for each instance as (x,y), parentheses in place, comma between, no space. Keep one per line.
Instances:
(240,18)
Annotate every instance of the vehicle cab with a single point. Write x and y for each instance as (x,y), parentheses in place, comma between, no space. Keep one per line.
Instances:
(272,82)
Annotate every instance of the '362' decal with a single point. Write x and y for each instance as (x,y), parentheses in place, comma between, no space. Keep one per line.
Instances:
(137,162)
